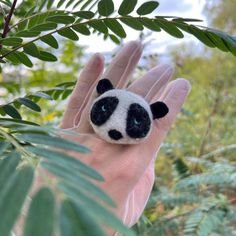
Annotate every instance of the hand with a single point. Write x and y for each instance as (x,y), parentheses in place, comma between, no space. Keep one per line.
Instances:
(128,169)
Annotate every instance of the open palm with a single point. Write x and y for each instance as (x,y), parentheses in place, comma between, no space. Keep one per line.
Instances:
(128,169)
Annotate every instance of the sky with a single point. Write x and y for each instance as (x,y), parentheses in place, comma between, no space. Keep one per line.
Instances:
(183,8)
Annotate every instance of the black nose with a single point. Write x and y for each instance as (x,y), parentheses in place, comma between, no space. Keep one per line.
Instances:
(114,134)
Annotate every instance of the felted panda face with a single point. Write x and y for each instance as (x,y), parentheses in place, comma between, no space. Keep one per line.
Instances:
(119,116)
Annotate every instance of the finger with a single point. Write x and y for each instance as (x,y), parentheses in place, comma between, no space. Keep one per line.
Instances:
(153,82)
(118,72)
(176,93)
(83,89)
(173,96)
(124,63)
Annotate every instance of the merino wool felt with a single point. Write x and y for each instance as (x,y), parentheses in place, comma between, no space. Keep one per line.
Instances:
(119,116)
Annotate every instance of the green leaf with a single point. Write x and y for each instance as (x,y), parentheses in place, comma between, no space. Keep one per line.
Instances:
(31,49)
(77,181)
(42,95)
(60,3)
(10,204)
(99,26)
(14,41)
(22,25)
(54,142)
(69,3)
(105,7)
(49,4)
(150,24)
(126,7)
(30,104)
(8,166)
(81,29)
(94,209)
(84,14)
(133,23)
(50,40)
(217,40)
(74,220)
(147,7)
(114,38)
(3,147)
(68,33)
(44,27)
(64,159)
(11,56)
(201,35)
(8,121)
(169,27)
(23,59)
(115,27)
(61,19)
(11,111)
(6,3)
(28,34)
(46,56)
(40,217)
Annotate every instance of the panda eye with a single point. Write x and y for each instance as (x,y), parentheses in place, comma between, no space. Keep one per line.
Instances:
(137,121)
(103,108)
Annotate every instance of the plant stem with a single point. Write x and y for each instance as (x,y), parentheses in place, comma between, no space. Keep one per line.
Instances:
(8,19)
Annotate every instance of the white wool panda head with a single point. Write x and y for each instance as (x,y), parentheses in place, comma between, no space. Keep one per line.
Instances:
(119,116)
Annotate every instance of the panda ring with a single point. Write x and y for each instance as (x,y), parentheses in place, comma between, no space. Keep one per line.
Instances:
(122,117)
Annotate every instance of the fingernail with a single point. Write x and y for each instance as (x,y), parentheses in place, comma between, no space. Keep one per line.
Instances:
(133,45)
(96,60)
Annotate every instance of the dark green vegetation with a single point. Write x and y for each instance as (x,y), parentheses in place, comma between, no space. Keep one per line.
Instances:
(194,192)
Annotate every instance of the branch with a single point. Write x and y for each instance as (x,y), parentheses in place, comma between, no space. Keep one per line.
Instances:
(8,19)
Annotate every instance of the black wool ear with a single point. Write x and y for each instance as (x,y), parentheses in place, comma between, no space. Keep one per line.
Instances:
(159,110)
(103,86)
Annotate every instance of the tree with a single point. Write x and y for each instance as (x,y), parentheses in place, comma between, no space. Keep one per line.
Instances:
(28,37)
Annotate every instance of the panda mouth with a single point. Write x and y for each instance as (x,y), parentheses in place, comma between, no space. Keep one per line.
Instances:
(115,135)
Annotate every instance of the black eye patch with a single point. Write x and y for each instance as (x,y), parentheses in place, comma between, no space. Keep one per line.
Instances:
(138,122)
(103,109)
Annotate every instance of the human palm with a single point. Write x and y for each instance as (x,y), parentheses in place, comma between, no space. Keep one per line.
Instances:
(128,169)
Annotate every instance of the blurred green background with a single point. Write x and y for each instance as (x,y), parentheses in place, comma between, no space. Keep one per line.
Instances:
(195,170)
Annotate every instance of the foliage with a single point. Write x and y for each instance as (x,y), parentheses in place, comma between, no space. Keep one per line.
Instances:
(31,36)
